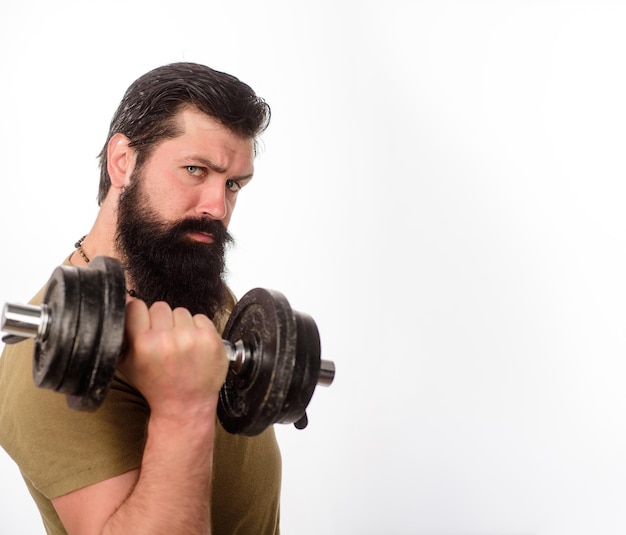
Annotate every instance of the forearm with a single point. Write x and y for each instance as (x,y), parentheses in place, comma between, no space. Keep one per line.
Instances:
(172,493)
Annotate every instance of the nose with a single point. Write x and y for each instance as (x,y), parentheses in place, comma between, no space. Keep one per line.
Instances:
(212,201)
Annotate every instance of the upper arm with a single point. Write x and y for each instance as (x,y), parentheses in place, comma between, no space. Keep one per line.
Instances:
(86,510)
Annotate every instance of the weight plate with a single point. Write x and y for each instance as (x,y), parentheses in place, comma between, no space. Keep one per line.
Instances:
(89,321)
(306,371)
(252,400)
(51,354)
(100,363)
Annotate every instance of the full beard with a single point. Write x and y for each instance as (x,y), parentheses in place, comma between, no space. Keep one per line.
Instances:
(163,263)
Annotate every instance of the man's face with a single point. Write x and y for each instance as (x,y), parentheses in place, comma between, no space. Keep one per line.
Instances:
(199,173)
(172,216)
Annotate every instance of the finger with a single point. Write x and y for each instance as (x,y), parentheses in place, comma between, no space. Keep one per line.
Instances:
(203,322)
(137,318)
(182,318)
(161,316)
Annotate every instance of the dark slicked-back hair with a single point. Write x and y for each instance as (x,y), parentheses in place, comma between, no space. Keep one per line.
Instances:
(146,114)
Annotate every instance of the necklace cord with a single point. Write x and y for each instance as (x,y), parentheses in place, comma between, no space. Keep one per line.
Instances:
(79,248)
(82,253)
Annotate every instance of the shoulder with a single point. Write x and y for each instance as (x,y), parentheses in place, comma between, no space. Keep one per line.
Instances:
(221,318)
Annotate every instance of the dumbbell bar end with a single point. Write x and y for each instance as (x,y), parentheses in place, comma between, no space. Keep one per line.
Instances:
(24,321)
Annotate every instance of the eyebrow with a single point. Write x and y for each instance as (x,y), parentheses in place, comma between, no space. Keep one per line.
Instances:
(217,168)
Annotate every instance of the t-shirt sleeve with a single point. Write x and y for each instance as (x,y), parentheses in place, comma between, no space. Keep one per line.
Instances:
(60,449)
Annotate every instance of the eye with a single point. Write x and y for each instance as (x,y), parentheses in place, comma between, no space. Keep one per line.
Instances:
(194,170)
(233,185)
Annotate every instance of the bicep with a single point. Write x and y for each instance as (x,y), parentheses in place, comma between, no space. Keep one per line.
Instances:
(86,510)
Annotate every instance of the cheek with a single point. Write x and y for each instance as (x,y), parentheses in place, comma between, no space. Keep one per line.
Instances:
(230,208)
(169,203)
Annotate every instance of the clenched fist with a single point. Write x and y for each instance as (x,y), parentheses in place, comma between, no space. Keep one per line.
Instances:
(176,360)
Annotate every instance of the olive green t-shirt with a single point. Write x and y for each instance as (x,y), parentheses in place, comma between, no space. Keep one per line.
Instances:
(59,450)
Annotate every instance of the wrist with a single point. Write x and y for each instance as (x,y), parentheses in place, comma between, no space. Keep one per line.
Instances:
(171,415)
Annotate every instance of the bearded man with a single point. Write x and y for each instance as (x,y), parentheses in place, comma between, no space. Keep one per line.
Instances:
(153,458)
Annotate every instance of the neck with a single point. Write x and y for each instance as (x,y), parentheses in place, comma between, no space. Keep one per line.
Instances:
(100,240)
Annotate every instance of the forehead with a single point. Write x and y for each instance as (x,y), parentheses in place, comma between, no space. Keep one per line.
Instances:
(191,121)
(203,136)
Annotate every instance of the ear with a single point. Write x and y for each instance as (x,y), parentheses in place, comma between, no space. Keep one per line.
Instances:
(120,160)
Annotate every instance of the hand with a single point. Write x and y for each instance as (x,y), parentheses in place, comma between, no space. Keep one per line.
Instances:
(178,362)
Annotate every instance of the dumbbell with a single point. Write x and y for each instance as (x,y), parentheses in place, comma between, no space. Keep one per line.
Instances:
(78,331)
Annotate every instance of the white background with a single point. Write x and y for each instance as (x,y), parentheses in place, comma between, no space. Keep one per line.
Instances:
(441,188)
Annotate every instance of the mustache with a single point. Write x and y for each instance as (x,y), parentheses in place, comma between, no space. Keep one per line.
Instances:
(202,224)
